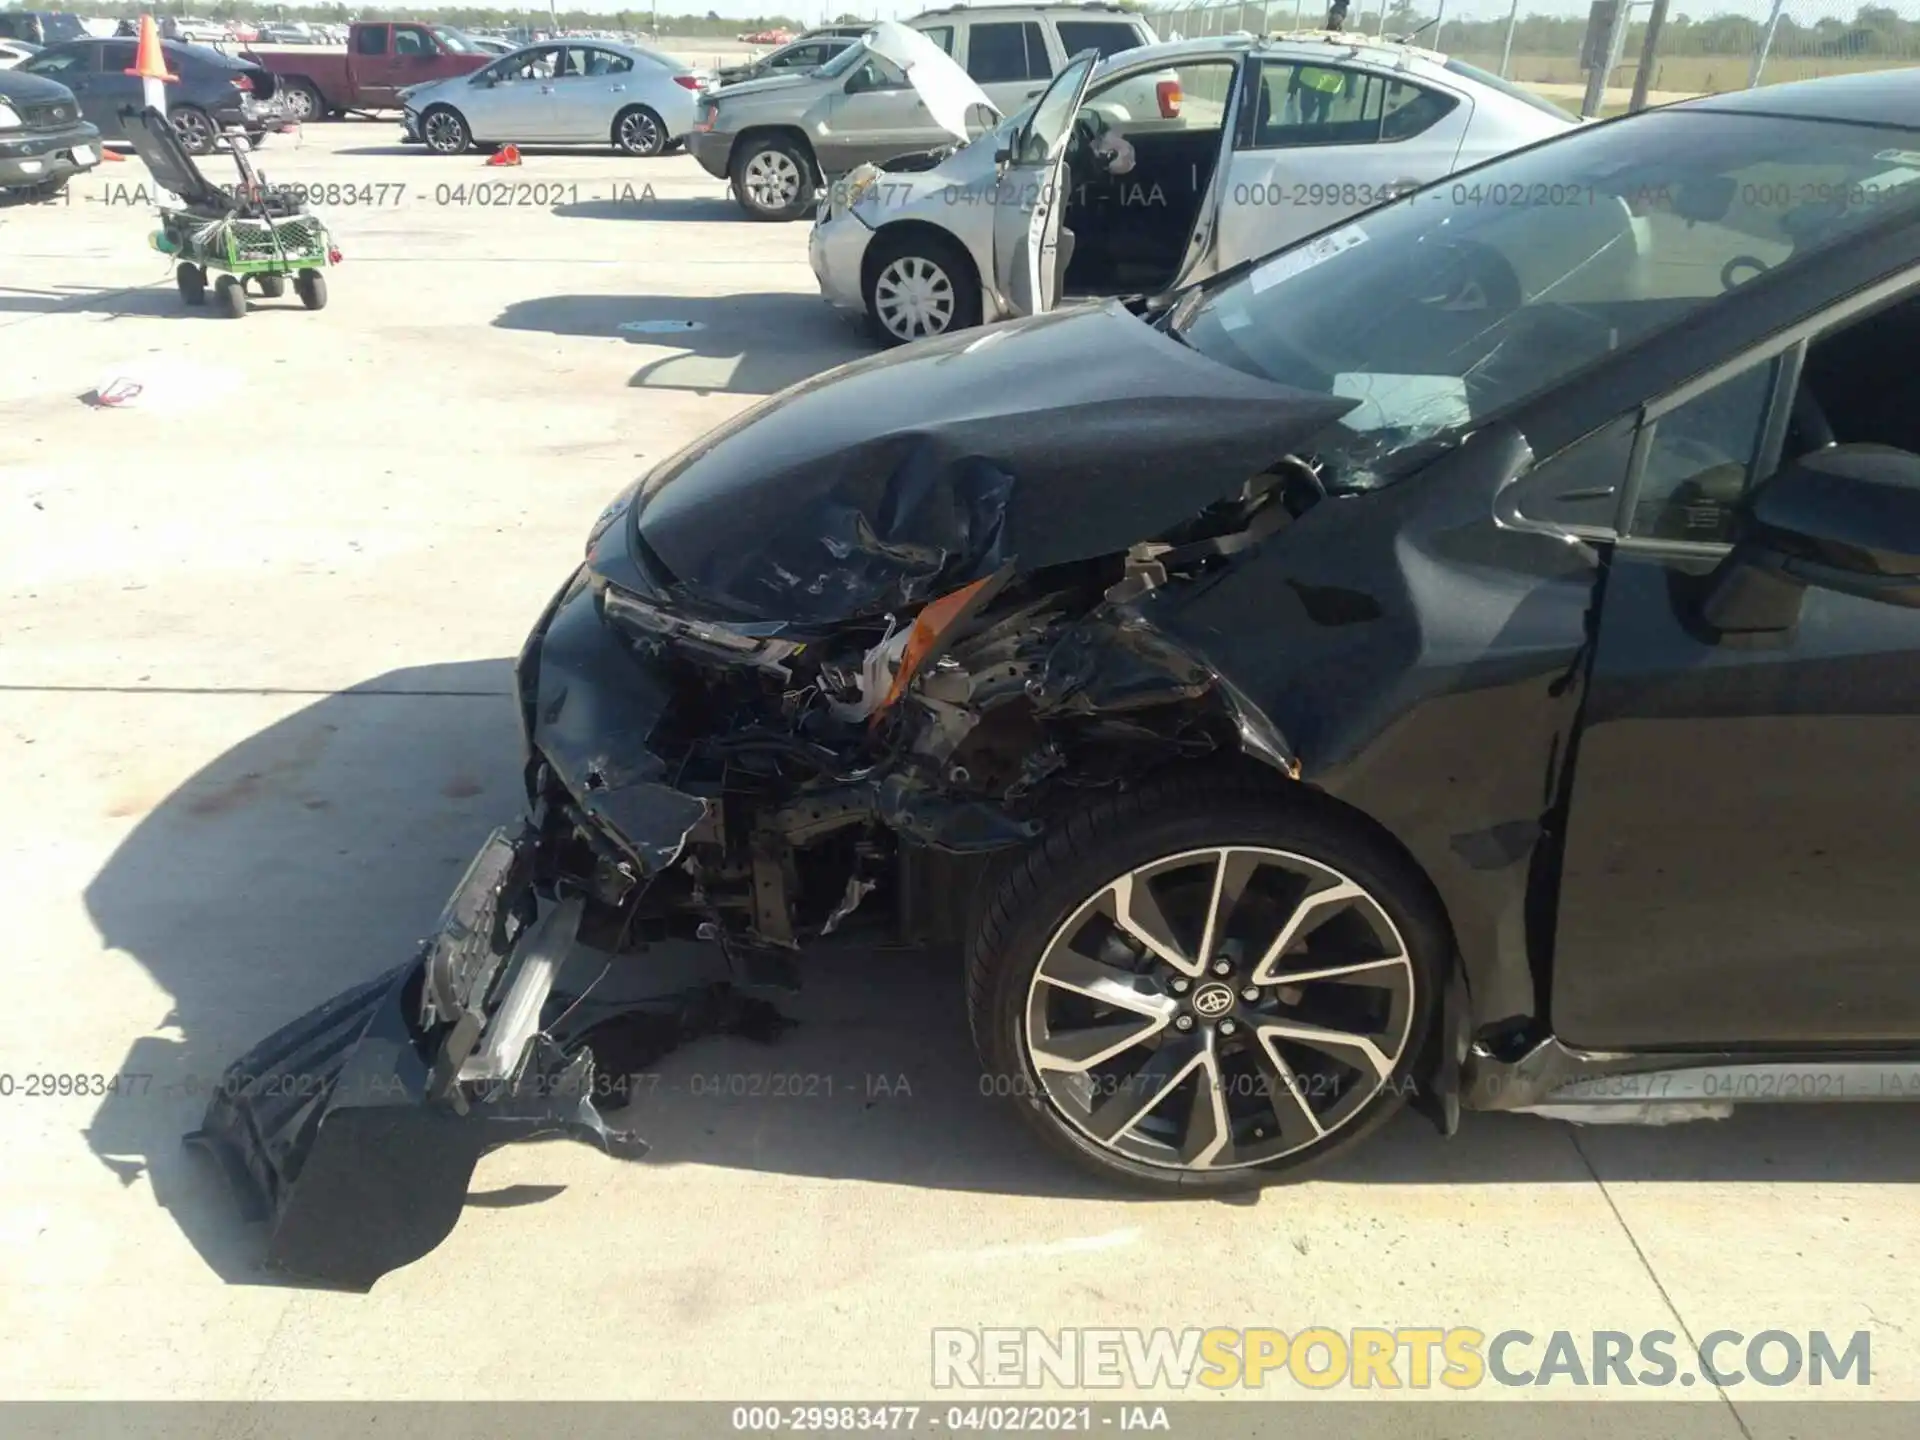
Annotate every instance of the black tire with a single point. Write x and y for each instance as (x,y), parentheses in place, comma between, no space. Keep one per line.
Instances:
(311,287)
(1051,887)
(444,130)
(916,285)
(198,134)
(230,297)
(272,286)
(637,130)
(304,101)
(192,282)
(773,178)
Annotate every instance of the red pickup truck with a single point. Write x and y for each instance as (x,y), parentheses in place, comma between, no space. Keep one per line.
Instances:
(382,58)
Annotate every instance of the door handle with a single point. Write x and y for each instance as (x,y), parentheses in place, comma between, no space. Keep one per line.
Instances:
(1035,91)
(616,88)
(546,89)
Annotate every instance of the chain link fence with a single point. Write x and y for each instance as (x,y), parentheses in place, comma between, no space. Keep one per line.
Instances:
(1703,49)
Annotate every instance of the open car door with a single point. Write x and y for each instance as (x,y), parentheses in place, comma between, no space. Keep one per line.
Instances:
(1031,197)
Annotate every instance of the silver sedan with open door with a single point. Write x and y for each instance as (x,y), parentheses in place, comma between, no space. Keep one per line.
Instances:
(1173,163)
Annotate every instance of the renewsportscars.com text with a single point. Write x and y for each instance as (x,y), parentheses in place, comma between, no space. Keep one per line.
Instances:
(1404,1358)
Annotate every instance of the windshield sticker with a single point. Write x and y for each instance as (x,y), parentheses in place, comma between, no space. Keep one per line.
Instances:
(1305,257)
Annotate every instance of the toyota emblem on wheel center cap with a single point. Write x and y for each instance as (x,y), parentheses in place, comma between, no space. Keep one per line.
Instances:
(1212,1001)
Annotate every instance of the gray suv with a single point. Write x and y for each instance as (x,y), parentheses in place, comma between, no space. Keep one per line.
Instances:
(777,140)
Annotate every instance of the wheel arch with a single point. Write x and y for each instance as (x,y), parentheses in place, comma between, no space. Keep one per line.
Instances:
(895,230)
(791,133)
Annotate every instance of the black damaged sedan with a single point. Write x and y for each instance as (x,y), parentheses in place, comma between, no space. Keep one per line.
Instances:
(1469,658)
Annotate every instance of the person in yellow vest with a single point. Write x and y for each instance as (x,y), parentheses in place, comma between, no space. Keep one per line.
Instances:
(1316,88)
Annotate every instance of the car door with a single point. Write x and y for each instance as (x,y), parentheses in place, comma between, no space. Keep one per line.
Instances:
(112,89)
(1008,59)
(592,84)
(1316,142)
(1741,846)
(1029,200)
(515,102)
(873,115)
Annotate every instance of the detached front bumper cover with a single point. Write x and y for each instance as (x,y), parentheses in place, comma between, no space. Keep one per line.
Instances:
(354,1131)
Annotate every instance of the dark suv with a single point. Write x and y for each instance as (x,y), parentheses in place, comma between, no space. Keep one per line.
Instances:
(51,144)
(41,27)
(215,91)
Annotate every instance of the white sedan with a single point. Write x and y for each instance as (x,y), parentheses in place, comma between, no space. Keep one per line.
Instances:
(574,92)
(1146,172)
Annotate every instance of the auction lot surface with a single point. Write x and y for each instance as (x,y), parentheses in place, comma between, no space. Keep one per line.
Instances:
(254,650)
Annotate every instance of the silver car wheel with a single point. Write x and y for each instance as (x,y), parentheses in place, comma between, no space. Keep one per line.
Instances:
(913,298)
(640,133)
(772,180)
(302,104)
(444,133)
(1274,1028)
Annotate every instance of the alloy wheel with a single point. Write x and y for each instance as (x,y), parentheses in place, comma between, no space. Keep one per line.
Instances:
(1219,1008)
(444,133)
(771,180)
(640,133)
(913,298)
(195,131)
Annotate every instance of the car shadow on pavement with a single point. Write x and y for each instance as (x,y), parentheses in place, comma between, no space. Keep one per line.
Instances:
(158,299)
(731,344)
(643,204)
(315,853)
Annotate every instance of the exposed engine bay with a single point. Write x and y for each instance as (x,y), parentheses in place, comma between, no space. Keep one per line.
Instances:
(955,729)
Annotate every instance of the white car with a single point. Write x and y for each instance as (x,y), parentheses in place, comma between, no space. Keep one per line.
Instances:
(1158,167)
(572,92)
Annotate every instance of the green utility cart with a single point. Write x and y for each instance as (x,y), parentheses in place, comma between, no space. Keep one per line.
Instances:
(254,233)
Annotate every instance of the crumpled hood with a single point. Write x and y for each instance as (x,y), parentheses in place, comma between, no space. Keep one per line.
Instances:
(1062,437)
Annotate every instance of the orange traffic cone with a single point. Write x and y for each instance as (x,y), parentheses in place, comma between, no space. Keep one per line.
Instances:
(505,155)
(150,64)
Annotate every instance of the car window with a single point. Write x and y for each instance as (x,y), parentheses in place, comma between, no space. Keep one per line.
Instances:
(411,40)
(876,73)
(538,64)
(59,62)
(1300,105)
(606,62)
(371,40)
(1001,50)
(1046,132)
(1700,459)
(117,56)
(941,35)
(1484,290)
(844,62)
(1109,37)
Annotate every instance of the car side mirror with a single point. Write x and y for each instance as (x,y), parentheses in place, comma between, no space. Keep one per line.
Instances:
(1846,518)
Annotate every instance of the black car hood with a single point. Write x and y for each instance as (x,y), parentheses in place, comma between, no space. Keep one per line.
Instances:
(1063,437)
(34,90)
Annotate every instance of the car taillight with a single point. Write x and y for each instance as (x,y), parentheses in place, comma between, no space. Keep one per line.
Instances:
(242,82)
(708,118)
(686,82)
(1167,92)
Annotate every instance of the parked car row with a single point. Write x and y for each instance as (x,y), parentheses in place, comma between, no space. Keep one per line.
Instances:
(214,92)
